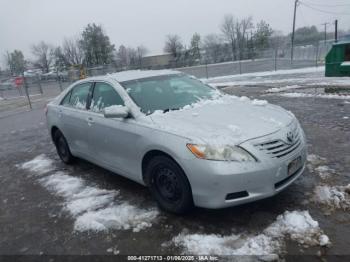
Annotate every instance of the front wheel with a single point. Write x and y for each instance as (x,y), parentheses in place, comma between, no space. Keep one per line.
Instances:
(63,148)
(169,185)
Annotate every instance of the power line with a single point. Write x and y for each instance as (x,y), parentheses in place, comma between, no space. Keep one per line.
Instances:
(322,11)
(327,5)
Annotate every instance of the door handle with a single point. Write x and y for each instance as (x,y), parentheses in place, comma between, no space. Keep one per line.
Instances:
(90,120)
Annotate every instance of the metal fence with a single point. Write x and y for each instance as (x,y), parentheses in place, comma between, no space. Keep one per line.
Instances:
(261,60)
(221,62)
(212,63)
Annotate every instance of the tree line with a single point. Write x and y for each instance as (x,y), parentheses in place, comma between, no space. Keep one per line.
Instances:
(238,39)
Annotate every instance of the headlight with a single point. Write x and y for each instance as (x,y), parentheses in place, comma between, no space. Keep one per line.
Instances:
(220,153)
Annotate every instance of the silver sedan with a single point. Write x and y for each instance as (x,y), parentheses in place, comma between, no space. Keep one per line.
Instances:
(185,140)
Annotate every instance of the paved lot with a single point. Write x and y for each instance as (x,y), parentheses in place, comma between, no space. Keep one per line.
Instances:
(37,218)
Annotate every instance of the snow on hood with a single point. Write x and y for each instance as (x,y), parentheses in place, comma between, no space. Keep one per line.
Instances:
(225,120)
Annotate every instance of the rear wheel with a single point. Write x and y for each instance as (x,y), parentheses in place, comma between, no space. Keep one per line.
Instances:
(169,185)
(62,148)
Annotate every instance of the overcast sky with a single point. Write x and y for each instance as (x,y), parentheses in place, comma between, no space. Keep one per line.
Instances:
(147,22)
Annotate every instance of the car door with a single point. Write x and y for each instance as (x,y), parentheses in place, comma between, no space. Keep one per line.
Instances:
(73,112)
(112,140)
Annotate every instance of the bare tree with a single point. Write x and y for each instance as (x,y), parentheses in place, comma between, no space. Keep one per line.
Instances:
(141,52)
(212,45)
(195,52)
(174,46)
(15,61)
(122,56)
(228,28)
(44,54)
(72,52)
(132,56)
(235,32)
(242,28)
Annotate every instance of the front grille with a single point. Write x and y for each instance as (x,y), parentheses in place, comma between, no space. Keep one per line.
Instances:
(278,148)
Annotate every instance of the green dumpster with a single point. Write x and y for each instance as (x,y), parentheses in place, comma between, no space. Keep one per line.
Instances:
(338,60)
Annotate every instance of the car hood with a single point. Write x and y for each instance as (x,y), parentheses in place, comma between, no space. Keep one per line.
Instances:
(227,120)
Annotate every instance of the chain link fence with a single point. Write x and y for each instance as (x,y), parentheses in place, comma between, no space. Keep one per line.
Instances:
(250,61)
(213,62)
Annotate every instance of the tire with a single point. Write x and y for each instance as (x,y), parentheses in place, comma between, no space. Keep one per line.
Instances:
(62,148)
(169,185)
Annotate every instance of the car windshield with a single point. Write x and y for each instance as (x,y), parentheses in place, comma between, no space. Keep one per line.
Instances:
(168,92)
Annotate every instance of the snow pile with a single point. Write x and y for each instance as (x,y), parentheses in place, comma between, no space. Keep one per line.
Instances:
(334,197)
(78,197)
(281,89)
(39,165)
(257,102)
(119,216)
(273,121)
(93,208)
(218,99)
(307,70)
(324,171)
(296,225)
(315,160)
(316,164)
(244,99)
(328,96)
(236,131)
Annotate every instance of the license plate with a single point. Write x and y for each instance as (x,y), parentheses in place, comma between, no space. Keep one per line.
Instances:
(294,166)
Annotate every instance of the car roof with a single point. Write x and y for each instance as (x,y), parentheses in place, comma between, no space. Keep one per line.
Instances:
(134,74)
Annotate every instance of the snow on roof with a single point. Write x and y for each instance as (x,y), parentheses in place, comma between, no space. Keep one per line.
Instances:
(138,74)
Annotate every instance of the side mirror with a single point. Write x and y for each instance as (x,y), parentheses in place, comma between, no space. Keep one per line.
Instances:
(116,112)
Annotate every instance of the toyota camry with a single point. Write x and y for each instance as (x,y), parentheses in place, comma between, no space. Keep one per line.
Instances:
(191,144)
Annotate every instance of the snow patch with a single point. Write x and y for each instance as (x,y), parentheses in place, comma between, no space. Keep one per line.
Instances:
(324,171)
(244,99)
(281,89)
(316,164)
(315,159)
(327,96)
(268,73)
(296,225)
(272,120)
(122,216)
(39,165)
(93,208)
(236,131)
(97,209)
(79,198)
(259,102)
(334,197)
(324,240)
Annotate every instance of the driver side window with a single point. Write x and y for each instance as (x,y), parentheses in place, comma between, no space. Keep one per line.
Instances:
(103,96)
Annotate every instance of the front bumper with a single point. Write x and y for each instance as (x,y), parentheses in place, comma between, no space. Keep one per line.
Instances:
(213,181)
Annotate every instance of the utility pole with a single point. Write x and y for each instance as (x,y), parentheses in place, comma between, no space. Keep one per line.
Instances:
(293,33)
(325,32)
(336,30)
